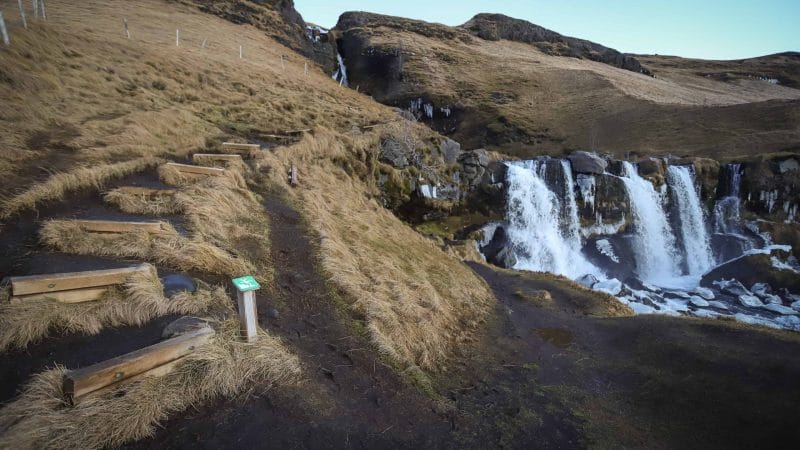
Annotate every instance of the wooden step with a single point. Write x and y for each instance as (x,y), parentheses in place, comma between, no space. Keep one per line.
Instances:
(198,158)
(83,381)
(71,296)
(37,284)
(145,190)
(248,150)
(197,170)
(113,226)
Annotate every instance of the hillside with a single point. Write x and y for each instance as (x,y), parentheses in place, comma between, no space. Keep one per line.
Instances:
(369,332)
(523,90)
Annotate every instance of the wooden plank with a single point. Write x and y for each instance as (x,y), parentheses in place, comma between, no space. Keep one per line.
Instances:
(246,150)
(159,371)
(92,378)
(71,296)
(146,191)
(248,316)
(197,170)
(112,226)
(37,284)
(200,157)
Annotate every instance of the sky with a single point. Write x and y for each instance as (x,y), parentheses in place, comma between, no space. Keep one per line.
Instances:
(709,29)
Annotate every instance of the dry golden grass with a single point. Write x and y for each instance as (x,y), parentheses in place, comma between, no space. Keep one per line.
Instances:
(419,303)
(134,201)
(225,367)
(141,299)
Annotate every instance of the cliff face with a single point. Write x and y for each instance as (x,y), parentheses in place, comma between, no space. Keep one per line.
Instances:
(514,87)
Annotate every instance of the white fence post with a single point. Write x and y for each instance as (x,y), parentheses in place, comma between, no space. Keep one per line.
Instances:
(177,38)
(246,299)
(305,69)
(125,22)
(35,8)
(41,9)
(22,14)
(3,30)
(240,52)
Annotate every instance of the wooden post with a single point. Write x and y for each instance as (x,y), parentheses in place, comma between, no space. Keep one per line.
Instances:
(22,14)
(3,30)
(177,38)
(240,52)
(283,66)
(246,298)
(125,22)
(203,45)
(293,175)
(305,69)
(38,284)
(35,8)
(41,9)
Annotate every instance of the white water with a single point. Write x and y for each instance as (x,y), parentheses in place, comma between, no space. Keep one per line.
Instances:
(534,215)
(653,242)
(696,243)
(341,72)
(726,210)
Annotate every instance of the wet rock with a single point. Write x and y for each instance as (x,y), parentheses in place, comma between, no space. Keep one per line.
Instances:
(273,313)
(788,165)
(705,293)
(780,309)
(718,305)
(649,167)
(612,286)
(587,280)
(698,301)
(732,287)
(772,299)
(182,326)
(585,162)
(750,300)
(178,283)
(498,251)
(677,294)
(761,289)
(393,153)
(796,305)
(451,150)
(474,165)
(751,269)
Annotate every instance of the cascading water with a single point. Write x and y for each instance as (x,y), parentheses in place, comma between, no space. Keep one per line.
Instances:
(341,72)
(535,224)
(726,210)
(653,242)
(696,243)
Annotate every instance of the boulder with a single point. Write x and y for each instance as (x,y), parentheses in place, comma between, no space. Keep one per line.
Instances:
(612,286)
(761,289)
(706,293)
(182,326)
(585,162)
(393,153)
(772,299)
(788,165)
(649,167)
(698,301)
(718,305)
(732,287)
(450,150)
(498,251)
(474,163)
(796,305)
(178,283)
(780,309)
(755,268)
(587,280)
(750,300)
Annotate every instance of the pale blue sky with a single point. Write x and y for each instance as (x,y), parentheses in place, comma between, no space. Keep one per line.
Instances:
(714,29)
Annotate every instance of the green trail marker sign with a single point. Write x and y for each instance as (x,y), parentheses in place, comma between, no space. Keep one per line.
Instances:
(247,283)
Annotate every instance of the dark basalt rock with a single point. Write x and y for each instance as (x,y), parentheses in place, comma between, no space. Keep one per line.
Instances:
(182,326)
(498,251)
(585,162)
(178,283)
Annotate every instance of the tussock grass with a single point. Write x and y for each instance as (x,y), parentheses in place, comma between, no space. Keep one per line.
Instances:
(140,300)
(133,201)
(419,303)
(58,185)
(225,367)
(167,247)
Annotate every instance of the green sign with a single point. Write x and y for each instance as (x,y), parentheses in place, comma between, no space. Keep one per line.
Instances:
(247,283)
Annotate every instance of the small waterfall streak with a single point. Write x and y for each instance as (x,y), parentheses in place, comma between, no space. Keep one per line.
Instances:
(535,224)
(340,74)
(653,242)
(726,209)
(696,242)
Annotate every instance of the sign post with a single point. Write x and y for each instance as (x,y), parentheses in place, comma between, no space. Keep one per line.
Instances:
(246,296)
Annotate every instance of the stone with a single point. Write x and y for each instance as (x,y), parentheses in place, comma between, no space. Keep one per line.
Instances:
(750,300)
(796,305)
(477,157)
(698,301)
(788,165)
(761,289)
(182,326)
(732,287)
(178,283)
(780,309)
(772,299)
(498,251)
(706,293)
(392,153)
(719,305)
(451,150)
(648,167)
(585,162)
(677,294)
(505,258)
(612,286)
(587,280)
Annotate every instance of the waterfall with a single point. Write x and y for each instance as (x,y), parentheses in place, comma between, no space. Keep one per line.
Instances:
(653,242)
(726,210)
(693,231)
(574,223)
(341,72)
(535,223)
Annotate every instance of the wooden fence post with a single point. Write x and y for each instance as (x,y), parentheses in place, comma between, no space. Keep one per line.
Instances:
(246,298)
(203,45)
(125,22)
(3,30)
(22,14)
(35,8)
(177,38)
(41,9)
(240,52)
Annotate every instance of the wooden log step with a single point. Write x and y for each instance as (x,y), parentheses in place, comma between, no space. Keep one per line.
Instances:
(71,296)
(113,226)
(37,284)
(198,158)
(197,170)
(240,149)
(89,379)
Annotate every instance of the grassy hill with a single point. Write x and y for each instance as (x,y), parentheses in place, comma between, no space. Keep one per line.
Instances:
(524,96)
